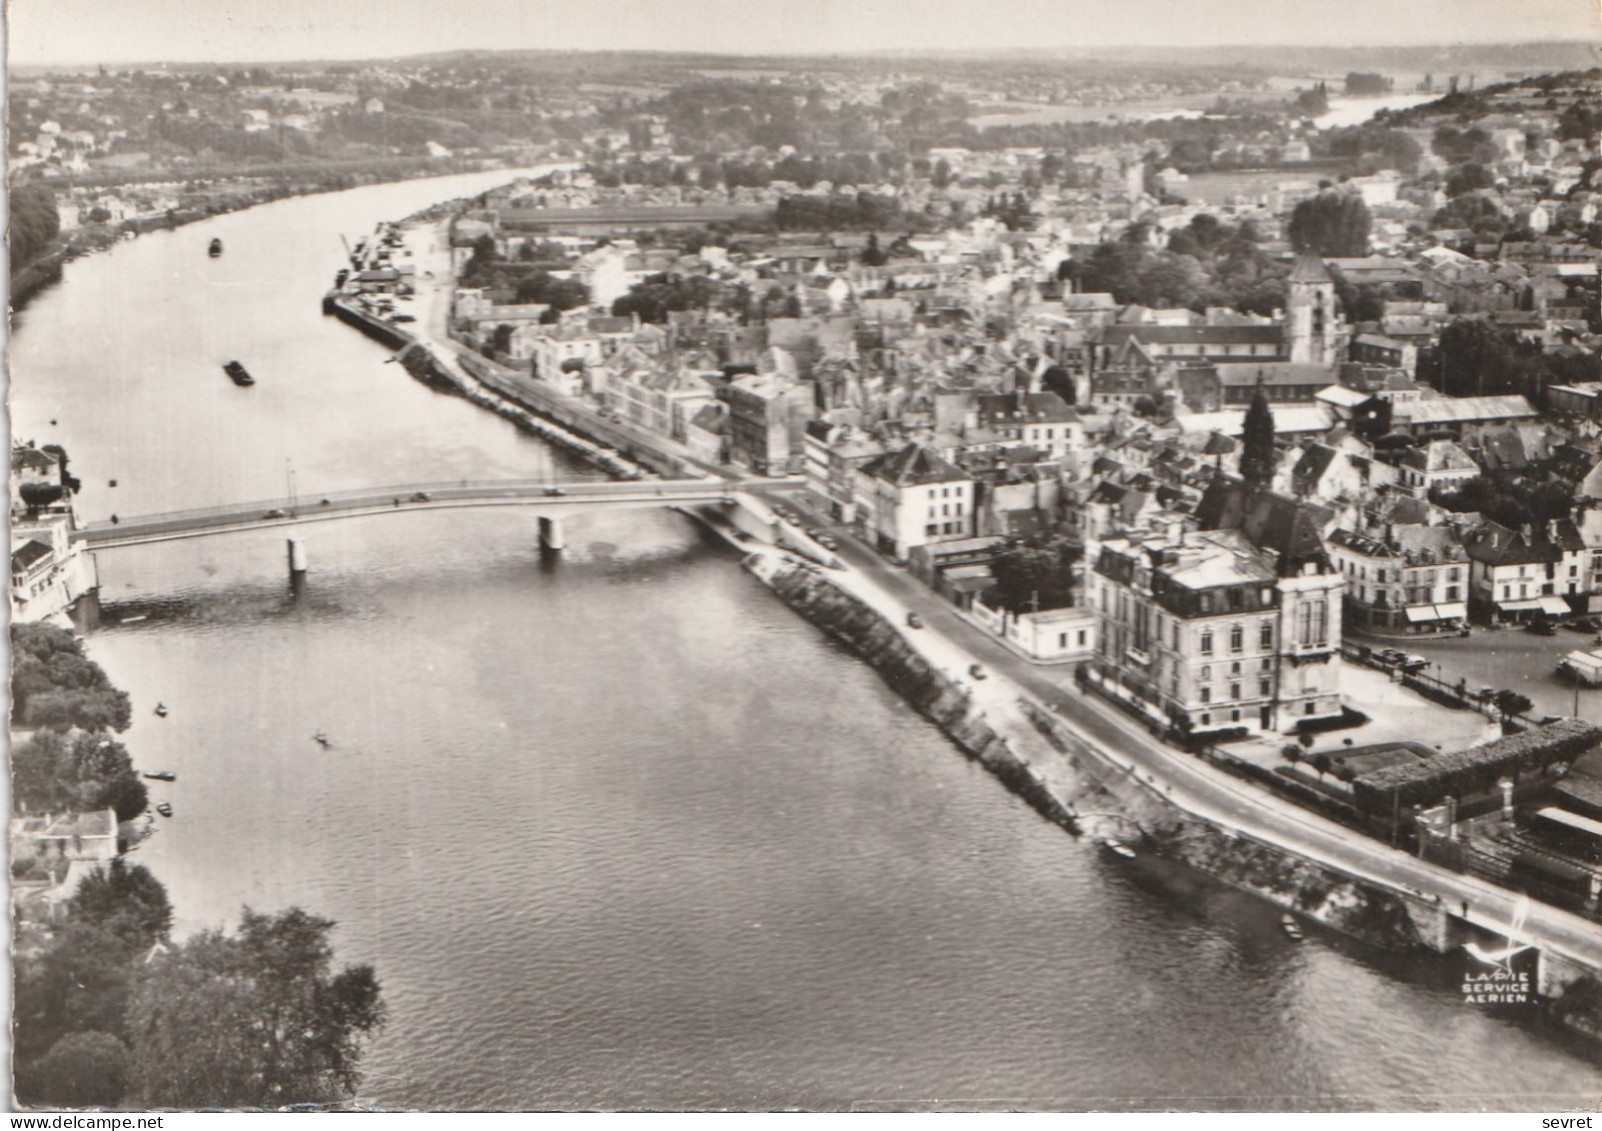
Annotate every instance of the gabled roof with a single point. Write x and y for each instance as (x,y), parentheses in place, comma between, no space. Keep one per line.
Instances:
(27,554)
(914,465)
(1278,523)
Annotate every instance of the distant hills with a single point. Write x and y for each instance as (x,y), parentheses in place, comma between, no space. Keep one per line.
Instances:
(1489,60)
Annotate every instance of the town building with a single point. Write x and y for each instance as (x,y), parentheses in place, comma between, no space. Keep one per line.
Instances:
(911,497)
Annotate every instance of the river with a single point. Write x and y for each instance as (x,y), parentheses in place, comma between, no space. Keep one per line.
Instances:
(618,829)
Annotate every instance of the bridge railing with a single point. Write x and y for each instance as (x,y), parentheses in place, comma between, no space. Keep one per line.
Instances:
(301,503)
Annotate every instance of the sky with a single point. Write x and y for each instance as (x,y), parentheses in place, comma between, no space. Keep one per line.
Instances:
(150,31)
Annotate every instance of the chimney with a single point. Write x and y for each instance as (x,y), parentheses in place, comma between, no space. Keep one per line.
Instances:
(1552,529)
(1528,532)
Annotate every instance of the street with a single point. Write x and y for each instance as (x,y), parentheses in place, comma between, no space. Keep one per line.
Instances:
(1190,783)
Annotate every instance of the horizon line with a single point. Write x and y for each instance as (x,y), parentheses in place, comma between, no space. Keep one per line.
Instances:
(1594,47)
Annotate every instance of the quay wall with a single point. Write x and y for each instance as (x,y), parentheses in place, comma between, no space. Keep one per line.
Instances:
(1376,915)
(421,363)
(933,694)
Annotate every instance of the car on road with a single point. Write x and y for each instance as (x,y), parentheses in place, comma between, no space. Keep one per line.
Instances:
(1391,656)
(275,513)
(828,543)
(1586,624)
(404,318)
(1411,663)
(554,491)
(976,671)
(914,620)
(421,497)
(323,502)
(1541,628)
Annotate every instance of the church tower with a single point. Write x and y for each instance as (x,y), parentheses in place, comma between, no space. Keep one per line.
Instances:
(1313,331)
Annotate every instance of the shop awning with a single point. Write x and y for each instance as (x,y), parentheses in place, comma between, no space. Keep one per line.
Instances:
(1556,606)
(1418,614)
(1520,606)
(1456,611)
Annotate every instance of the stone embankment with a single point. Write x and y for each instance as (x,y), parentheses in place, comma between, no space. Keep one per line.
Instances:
(1087,790)
(935,695)
(418,360)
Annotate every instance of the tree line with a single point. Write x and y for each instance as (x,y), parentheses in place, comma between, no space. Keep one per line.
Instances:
(108,1008)
(34,224)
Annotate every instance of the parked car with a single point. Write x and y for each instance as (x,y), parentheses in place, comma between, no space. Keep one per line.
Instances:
(555,491)
(976,671)
(275,513)
(1586,624)
(1412,663)
(914,620)
(828,543)
(1541,628)
(1391,656)
(421,497)
(404,318)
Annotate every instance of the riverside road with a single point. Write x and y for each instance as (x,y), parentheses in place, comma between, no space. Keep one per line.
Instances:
(1185,780)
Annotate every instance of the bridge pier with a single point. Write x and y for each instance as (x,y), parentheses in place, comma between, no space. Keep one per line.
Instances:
(552,536)
(297,558)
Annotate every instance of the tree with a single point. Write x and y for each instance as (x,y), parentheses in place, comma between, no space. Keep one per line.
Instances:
(1333,224)
(1058,380)
(1321,763)
(1476,359)
(80,985)
(1469,178)
(872,256)
(254,1019)
(125,794)
(1510,702)
(54,684)
(35,223)
(80,1070)
(1257,456)
(1291,752)
(1030,577)
(501,338)
(126,900)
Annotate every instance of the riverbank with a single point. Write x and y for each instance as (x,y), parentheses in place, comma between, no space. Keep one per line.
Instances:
(31,278)
(1105,797)
(422,363)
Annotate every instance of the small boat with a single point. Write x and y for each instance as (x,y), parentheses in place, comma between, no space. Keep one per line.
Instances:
(161,775)
(215,249)
(321,739)
(165,809)
(113,482)
(238,374)
(135,619)
(1118,848)
(161,710)
(1292,929)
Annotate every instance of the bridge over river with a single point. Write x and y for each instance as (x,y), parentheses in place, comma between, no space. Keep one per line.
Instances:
(550,501)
